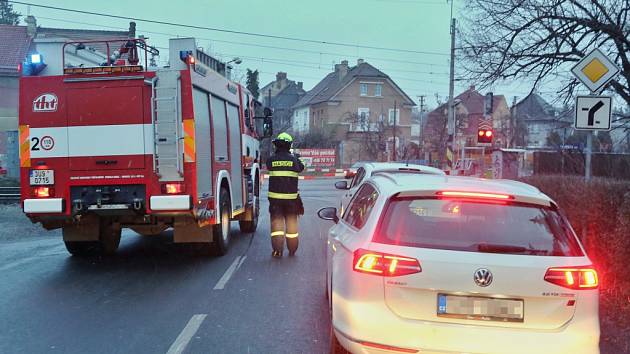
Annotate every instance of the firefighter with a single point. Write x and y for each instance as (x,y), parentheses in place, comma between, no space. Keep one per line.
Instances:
(284,202)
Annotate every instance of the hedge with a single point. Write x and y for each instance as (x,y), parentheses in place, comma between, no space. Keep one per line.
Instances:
(599,211)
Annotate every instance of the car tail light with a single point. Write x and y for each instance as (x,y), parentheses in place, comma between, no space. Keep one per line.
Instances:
(43,192)
(387,265)
(173,188)
(474,195)
(573,277)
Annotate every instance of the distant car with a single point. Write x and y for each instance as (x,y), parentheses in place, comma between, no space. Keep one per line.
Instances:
(433,264)
(366,169)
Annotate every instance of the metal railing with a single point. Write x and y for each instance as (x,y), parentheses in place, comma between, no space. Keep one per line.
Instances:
(9,195)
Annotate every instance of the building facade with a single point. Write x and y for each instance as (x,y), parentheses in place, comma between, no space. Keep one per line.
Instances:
(281,95)
(358,109)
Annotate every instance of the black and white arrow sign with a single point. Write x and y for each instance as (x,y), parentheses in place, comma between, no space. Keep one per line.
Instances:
(593,112)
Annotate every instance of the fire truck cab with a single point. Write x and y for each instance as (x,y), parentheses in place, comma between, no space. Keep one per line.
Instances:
(121,145)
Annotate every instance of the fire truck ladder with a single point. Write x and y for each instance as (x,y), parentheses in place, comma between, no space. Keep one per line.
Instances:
(167,126)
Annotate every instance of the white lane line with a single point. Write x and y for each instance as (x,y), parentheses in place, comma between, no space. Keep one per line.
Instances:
(229,272)
(186,335)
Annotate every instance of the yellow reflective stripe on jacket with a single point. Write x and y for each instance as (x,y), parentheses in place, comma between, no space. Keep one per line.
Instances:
(275,195)
(283,174)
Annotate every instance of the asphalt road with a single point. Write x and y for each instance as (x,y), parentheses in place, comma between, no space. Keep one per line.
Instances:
(155,296)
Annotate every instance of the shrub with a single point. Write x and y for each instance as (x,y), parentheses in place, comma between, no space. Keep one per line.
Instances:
(599,211)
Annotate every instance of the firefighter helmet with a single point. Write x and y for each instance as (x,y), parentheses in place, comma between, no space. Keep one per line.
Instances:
(284,137)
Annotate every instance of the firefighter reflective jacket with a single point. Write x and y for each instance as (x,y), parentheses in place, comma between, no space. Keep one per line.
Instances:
(283,169)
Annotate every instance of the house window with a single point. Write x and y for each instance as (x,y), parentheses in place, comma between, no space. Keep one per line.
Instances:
(391,116)
(378,90)
(364,89)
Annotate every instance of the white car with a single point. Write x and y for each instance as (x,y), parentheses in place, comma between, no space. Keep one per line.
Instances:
(438,264)
(367,169)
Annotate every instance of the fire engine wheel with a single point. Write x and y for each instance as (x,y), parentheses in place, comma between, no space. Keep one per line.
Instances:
(221,231)
(250,226)
(81,248)
(109,237)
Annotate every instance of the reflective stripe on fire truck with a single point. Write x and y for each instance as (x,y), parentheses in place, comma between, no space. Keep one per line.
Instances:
(189,140)
(25,146)
(283,174)
(275,195)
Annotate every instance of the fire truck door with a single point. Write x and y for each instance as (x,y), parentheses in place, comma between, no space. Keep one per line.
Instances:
(105,128)
(234,126)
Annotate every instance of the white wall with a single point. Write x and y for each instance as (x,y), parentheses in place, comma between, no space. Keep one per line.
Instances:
(301,119)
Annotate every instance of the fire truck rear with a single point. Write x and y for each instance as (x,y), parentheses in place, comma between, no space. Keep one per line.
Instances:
(119,145)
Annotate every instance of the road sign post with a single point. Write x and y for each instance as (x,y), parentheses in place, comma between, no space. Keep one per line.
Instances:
(593,112)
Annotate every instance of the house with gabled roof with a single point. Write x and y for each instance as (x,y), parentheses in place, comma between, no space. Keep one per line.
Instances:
(539,119)
(354,108)
(281,95)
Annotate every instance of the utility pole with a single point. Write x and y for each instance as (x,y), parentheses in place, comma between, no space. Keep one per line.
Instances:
(451,89)
(394,155)
(421,126)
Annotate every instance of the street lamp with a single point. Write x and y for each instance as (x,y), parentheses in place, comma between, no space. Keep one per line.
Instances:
(236,61)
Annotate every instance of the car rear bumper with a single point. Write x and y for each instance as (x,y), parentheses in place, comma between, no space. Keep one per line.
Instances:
(358,322)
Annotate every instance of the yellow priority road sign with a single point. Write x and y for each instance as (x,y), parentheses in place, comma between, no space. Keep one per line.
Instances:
(595,70)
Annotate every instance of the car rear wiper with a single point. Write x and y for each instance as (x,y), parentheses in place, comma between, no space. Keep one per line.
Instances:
(499,248)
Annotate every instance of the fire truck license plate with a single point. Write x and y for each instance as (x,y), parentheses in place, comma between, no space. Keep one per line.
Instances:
(42,177)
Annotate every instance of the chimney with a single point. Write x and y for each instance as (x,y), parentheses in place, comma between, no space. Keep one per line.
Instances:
(132,29)
(300,85)
(472,88)
(360,61)
(341,69)
(31,26)
(281,76)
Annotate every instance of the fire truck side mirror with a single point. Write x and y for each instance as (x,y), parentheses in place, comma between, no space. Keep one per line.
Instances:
(268,127)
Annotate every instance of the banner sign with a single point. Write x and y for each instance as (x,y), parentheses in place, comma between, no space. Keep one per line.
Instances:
(315,158)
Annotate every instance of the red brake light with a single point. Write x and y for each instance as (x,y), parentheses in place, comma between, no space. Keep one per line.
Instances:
(43,192)
(387,265)
(173,188)
(583,277)
(479,195)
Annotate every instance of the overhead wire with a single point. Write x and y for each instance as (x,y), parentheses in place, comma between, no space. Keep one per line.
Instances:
(223,30)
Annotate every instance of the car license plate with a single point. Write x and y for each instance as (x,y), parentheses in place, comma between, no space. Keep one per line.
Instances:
(480,308)
(42,177)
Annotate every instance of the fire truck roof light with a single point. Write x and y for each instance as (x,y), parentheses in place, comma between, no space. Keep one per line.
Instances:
(36,58)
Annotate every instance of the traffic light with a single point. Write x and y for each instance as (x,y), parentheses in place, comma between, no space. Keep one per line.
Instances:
(484,136)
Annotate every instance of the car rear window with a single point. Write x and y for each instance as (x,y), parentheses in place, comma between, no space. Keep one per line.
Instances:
(477,227)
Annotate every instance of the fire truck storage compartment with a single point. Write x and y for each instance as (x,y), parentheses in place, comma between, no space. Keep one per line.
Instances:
(106,129)
(203,146)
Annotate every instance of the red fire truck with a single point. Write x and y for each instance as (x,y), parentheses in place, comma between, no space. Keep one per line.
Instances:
(121,145)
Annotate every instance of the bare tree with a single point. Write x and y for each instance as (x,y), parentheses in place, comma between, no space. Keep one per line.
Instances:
(372,134)
(540,40)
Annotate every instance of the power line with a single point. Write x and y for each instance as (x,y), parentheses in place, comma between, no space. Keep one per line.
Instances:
(170,35)
(295,39)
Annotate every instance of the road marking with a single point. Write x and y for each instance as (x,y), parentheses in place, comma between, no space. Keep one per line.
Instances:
(186,335)
(229,272)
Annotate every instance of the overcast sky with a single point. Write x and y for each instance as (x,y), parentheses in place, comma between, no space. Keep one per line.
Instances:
(415,25)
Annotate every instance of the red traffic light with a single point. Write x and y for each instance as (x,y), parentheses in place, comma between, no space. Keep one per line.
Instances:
(484,136)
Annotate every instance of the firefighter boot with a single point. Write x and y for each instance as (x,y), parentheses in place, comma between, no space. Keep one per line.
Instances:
(292,244)
(277,242)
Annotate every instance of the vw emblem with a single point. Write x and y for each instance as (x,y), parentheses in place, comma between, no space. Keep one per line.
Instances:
(483,277)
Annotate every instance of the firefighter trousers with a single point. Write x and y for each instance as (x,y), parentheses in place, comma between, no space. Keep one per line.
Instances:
(284,224)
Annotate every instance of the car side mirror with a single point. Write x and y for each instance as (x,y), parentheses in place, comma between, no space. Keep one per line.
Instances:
(342,185)
(329,213)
